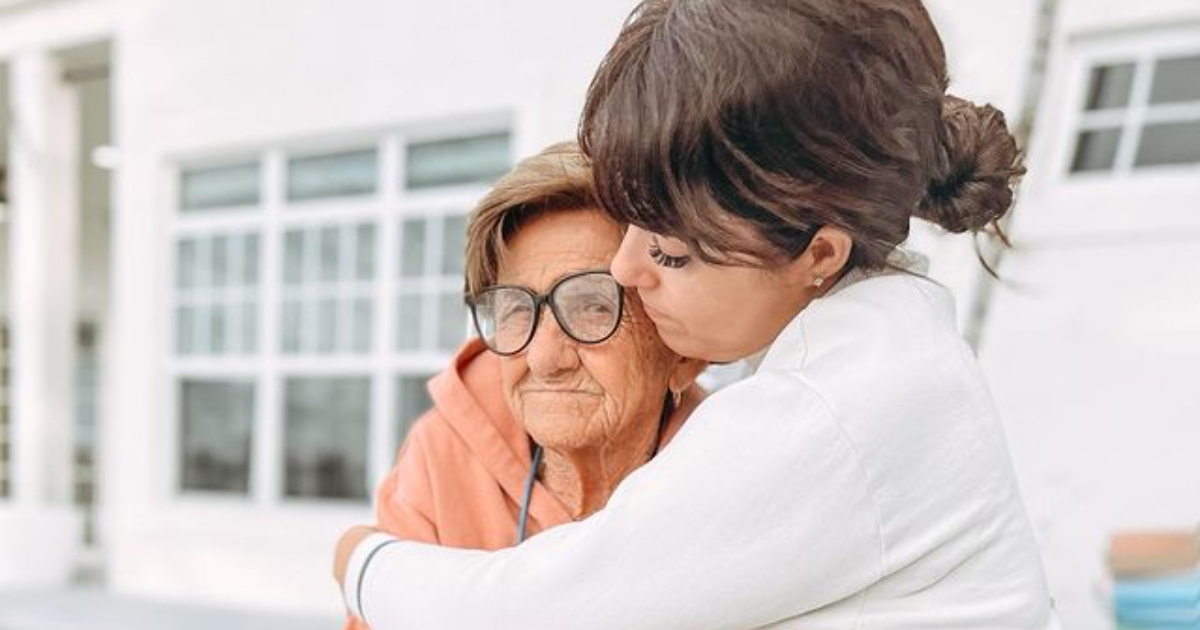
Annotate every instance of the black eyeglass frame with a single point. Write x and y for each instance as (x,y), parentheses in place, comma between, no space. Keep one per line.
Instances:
(547,299)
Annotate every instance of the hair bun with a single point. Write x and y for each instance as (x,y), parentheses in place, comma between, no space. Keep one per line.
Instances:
(977,165)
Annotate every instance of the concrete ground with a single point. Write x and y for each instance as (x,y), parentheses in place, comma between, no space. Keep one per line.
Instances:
(90,608)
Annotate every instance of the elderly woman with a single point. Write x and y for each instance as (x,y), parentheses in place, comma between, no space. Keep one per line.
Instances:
(536,421)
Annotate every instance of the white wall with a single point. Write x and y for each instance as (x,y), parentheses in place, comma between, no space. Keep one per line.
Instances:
(1093,355)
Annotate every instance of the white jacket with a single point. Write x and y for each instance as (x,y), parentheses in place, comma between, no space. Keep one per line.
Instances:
(859,479)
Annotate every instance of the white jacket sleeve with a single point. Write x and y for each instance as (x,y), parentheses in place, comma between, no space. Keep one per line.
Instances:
(758,511)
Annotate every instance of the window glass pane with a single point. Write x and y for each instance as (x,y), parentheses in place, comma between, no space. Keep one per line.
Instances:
(1109,86)
(219,265)
(362,317)
(364,266)
(215,419)
(1176,80)
(325,437)
(218,339)
(412,400)
(250,260)
(293,257)
(1096,150)
(327,325)
(292,327)
(185,263)
(408,329)
(1169,143)
(250,327)
(452,330)
(329,248)
(454,245)
(457,161)
(334,175)
(223,187)
(185,327)
(412,248)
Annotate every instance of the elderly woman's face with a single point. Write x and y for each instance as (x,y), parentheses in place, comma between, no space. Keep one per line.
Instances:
(570,395)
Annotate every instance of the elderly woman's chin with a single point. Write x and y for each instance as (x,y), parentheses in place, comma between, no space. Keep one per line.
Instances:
(566,419)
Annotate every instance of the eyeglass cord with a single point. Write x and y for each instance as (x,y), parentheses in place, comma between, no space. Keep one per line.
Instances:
(523,517)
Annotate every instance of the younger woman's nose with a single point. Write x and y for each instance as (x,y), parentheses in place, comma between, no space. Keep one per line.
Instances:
(632,266)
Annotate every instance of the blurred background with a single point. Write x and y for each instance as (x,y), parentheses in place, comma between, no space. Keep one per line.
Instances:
(231,239)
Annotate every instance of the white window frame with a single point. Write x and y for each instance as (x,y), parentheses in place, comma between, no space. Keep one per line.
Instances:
(1142,49)
(268,368)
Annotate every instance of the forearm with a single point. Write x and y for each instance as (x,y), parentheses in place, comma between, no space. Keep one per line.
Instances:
(697,539)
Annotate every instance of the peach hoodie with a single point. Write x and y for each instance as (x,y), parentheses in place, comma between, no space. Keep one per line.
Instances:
(460,475)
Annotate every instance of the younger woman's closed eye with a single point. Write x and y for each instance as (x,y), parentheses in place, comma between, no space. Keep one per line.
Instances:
(664,259)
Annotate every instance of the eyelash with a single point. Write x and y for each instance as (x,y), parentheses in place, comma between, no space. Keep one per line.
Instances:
(667,260)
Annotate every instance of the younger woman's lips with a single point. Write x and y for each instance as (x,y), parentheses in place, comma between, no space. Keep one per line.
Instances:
(654,313)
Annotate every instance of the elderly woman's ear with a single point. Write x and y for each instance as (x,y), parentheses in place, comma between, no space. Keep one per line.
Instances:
(684,373)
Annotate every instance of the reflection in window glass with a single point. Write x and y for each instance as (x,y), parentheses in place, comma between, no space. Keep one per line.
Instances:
(293,257)
(452,330)
(250,260)
(364,267)
(479,159)
(325,437)
(412,400)
(330,254)
(408,326)
(292,326)
(362,316)
(454,245)
(216,420)
(1096,150)
(219,269)
(249,325)
(1176,80)
(222,187)
(216,311)
(1169,143)
(218,338)
(327,325)
(186,264)
(1110,86)
(335,175)
(342,258)
(412,248)
(185,330)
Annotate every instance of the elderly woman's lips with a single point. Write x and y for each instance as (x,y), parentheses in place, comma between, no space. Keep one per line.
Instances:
(562,392)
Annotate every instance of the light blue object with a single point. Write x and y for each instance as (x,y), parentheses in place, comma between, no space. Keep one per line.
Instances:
(1182,591)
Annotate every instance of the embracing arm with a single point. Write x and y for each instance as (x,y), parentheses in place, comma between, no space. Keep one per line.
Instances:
(759,511)
(396,502)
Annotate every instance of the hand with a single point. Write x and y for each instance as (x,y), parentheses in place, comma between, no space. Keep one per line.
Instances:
(345,547)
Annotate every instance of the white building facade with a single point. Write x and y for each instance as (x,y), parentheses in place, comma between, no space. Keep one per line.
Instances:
(232,252)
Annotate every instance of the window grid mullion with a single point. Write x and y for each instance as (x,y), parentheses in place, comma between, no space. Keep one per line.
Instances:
(383,296)
(267,449)
(1138,101)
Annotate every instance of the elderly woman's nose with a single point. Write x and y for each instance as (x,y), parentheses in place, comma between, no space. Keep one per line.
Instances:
(631,265)
(551,351)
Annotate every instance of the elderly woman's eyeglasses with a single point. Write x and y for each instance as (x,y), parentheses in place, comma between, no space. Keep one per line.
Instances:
(587,305)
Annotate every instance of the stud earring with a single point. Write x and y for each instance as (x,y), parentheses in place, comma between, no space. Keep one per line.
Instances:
(818,281)
(676,397)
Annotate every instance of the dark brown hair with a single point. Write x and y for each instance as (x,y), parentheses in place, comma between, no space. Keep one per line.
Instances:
(559,178)
(786,115)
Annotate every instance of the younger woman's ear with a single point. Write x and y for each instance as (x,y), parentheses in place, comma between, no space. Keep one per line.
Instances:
(825,258)
(685,372)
